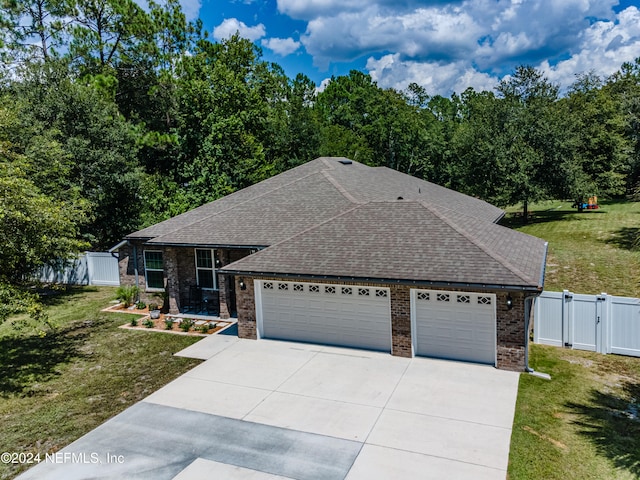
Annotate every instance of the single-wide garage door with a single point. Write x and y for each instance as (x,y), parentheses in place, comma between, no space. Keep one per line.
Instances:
(345,315)
(455,325)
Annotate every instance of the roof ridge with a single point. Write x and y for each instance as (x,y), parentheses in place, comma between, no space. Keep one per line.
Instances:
(340,188)
(499,258)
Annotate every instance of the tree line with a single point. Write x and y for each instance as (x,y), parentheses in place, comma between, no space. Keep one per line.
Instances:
(114,117)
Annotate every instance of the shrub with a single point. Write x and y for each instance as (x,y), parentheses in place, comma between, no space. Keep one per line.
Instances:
(168,322)
(149,323)
(141,305)
(186,324)
(126,294)
(134,322)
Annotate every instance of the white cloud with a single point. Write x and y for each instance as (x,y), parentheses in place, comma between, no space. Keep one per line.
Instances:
(448,45)
(191,9)
(390,71)
(603,47)
(281,46)
(230,26)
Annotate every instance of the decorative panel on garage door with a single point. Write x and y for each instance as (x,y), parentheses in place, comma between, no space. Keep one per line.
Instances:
(454,325)
(345,315)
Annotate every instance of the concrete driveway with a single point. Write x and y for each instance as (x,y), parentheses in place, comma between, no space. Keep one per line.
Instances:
(270,410)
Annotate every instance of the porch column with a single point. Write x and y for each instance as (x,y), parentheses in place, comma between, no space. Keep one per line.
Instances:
(173,279)
(225,295)
(224,287)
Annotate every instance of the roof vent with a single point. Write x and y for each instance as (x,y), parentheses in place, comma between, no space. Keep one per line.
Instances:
(345,162)
(400,198)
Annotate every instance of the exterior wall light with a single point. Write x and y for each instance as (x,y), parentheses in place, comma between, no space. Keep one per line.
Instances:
(243,286)
(509,302)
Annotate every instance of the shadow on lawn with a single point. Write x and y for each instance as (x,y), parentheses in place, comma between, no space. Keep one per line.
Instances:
(28,360)
(544,216)
(62,294)
(627,238)
(612,423)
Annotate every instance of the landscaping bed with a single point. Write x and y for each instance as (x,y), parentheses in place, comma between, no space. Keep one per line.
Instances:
(178,324)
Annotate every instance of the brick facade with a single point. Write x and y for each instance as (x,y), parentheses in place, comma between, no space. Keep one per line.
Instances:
(511,331)
(400,321)
(246,305)
(179,275)
(510,322)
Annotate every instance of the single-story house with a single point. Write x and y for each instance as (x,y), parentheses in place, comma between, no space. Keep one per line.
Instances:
(337,252)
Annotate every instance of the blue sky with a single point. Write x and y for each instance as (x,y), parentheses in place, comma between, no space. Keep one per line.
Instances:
(445,46)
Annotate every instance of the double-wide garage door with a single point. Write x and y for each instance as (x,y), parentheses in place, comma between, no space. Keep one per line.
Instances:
(454,325)
(344,315)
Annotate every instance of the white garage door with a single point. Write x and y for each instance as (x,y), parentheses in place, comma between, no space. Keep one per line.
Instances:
(454,325)
(345,315)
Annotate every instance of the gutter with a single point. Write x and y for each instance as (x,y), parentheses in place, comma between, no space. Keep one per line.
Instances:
(118,246)
(543,269)
(135,257)
(528,304)
(482,286)
(205,245)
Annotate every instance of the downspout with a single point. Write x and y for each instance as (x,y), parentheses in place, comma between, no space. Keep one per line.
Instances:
(528,302)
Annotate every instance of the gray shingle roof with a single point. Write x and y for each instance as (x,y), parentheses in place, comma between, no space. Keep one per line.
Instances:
(406,240)
(334,217)
(272,210)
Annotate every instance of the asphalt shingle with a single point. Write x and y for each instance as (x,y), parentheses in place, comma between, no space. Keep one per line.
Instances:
(336,217)
(404,240)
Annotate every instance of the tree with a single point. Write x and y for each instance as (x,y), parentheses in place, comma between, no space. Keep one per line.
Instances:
(35,229)
(102,147)
(106,32)
(29,20)
(535,138)
(601,153)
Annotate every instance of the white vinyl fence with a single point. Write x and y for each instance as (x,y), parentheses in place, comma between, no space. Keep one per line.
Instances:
(600,323)
(92,268)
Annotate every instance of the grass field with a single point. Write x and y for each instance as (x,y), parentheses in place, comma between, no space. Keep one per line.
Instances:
(590,252)
(584,423)
(55,388)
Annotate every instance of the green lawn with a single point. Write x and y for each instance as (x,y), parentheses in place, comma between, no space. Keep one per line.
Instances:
(579,424)
(584,423)
(55,388)
(590,252)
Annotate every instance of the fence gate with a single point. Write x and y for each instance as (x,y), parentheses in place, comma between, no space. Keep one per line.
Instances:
(584,319)
(599,323)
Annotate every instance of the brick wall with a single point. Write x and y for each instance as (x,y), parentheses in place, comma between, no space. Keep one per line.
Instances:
(400,321)
(179,274)
(510,322)
(510,331)
(246,306)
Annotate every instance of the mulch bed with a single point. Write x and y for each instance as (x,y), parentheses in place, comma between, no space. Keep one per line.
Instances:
(198,326)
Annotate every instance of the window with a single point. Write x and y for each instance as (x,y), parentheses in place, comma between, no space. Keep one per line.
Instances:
(154,269)
(463,299)
(442,297)
(205,269)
